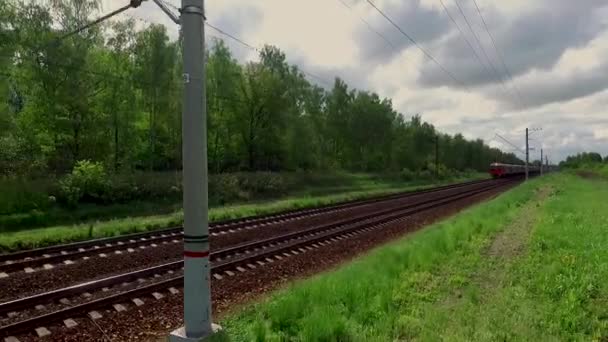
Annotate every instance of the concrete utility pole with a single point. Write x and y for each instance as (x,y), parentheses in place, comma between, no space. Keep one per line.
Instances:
(197,294)
(527,153)
(541,161)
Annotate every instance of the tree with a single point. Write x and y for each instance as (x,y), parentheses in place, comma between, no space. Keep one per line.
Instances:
(263,115)
(224,75)
(155,58)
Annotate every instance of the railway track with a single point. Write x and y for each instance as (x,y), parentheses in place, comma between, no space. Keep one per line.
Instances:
(47,258)
(38,311)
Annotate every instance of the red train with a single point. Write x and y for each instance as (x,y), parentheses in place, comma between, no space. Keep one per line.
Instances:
(498,170)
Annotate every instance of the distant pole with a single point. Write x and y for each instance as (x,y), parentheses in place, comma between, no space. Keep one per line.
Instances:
(437,156)
(527,153)
(541,161)
(197,294)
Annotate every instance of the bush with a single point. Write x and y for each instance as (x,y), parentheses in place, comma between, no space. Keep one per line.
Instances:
(226,188)
(87,183)
(425,175)
(20,195)
(407,175)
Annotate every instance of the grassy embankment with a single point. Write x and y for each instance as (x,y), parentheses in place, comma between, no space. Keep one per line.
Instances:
(30,230)
(530,265)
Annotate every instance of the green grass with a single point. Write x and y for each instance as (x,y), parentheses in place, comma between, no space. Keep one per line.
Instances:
(362,186)
(528,266)
(25,204)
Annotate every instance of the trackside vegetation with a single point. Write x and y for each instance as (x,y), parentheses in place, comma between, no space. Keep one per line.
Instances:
(297,192)
(530,265)
(116,149)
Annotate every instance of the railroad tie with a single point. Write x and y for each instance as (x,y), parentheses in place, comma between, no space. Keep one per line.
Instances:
(137,302)
(95,315)
(158,295)
(119,307)
(70,323)
(42,332)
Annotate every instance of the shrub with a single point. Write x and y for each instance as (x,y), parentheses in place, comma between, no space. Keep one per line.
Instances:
(87,183)
(407,175)
(425,175)
(20,195)
(225,188)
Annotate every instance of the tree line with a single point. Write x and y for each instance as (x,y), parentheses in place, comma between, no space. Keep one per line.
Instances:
(112,94)
(583,159)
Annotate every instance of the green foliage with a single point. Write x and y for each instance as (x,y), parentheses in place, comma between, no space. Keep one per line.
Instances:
(262,116)
(304,191)
(582,160)
(87,183)
(19,196)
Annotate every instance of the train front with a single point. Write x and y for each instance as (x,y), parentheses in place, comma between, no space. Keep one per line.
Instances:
(497,170)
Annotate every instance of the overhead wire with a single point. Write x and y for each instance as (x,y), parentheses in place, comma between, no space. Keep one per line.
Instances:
(369,26)
(464,37)
(510,143)
(242,42)
(500,57)
(132,4)
(483,50)
(424,51)
(247,45)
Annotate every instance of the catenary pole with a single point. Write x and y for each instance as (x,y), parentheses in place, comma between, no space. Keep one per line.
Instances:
(197,294)
(527,153)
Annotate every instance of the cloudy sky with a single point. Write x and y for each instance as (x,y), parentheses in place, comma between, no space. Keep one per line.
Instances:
(555,53)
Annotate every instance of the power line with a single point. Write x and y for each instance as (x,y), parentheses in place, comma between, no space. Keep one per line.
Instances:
(510,143)
(464,36)
(233,37)
(498,53)
(426,53)
(132,3)
(369,26)
(480,45)
(248,46)
(242,42)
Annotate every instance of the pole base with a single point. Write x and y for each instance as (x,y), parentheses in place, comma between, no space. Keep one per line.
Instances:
(179,335)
